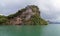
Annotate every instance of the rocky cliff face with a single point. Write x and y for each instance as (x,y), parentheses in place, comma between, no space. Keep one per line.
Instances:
(29,15)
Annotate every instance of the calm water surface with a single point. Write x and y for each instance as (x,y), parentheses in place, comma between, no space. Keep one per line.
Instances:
(43,30)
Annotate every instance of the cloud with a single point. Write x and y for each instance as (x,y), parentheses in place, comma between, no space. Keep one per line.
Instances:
(10,6)
(1,14)
(50,9)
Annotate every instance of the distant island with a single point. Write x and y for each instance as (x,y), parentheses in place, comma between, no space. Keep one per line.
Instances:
(29,15)
(52,22)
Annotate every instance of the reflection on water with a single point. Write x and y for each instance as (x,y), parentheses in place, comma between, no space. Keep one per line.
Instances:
(19,30)
(42,30)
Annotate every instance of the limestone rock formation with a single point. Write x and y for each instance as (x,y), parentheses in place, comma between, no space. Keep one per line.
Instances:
(29,15)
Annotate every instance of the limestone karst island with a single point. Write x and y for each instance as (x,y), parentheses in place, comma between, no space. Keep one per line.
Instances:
(29,15)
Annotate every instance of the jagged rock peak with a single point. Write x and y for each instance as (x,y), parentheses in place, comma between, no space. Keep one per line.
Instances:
(32,7)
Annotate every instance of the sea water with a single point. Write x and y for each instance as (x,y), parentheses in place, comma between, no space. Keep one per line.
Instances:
(36,30)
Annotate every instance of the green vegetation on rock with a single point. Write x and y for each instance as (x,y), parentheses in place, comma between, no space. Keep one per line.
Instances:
(33,12)
(3,20)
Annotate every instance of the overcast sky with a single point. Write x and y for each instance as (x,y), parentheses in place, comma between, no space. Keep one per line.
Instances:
(50,9)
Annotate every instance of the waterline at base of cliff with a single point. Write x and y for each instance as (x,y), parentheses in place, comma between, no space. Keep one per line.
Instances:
(29,15)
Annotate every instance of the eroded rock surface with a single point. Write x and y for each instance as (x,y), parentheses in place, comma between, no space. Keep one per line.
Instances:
(29,15)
